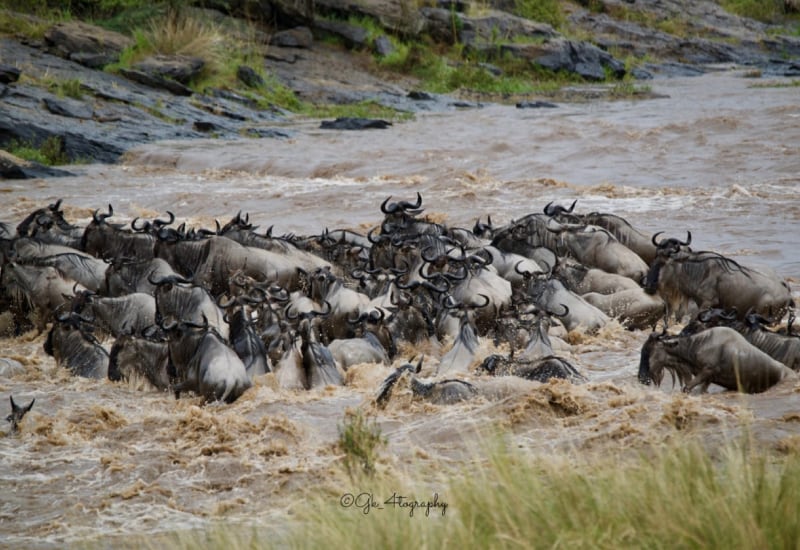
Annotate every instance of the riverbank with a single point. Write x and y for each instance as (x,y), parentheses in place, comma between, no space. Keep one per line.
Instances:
(73,92)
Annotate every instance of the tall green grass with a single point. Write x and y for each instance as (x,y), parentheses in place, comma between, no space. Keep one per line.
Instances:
(676,497)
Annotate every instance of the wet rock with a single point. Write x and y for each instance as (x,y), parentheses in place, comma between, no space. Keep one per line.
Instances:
(536,105)
(9,74)
(179,68)
(354,123)
(249,77)
(70,108)
(15,168)
(298,37)
(267,133)
(582,58)
(75,37)
(155,81)
(354,36)
(382,46)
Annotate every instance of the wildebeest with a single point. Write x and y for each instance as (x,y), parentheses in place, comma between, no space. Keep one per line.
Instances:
(437,391)
(117,315)
(145,355)
(634,308)
(712,280)
(719,355)
(37,290)
(72,344)
(17,412)
(203,362)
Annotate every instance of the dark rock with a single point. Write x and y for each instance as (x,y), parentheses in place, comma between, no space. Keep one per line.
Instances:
(75,37)
(179,68)
(249,77)
(354,36)
(420,96)
(352,123)
(15,168)
(536,105)
(382,46)
(232,96)
(93,60)
(8,74)
(298,37)
(466,105)
(582,58)
(155,81)
(70,108)
(205,126)
(641,74)
(267,133)
(219,109)
(440,25)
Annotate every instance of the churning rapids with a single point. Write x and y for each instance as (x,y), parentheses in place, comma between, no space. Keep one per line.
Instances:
(715,156)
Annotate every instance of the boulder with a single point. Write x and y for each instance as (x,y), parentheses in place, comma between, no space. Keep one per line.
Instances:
(180,68)
(155,81)
(354,36)
(487,28)
(382,46)
(8,74)
(298,37)
(12,167)
(73,39)
(581,58)
(354,123)
(70,108)
(249,77)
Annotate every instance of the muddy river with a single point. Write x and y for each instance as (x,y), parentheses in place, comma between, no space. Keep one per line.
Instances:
(714,155)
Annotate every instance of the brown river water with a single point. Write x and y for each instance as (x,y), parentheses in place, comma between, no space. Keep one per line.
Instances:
(714,155)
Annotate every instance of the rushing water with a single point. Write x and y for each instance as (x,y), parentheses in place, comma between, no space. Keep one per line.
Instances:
(713,156)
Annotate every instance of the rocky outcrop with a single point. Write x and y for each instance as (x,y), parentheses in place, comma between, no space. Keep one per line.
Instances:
(87,44)
(15,168)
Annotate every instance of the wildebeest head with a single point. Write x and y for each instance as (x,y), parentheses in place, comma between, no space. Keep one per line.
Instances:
(648,374)
(17,413)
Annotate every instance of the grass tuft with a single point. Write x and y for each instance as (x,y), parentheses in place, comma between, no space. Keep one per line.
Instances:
(50,152)
(360,439)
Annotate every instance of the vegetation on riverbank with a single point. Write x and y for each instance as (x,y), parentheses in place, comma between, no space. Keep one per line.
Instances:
(682,495)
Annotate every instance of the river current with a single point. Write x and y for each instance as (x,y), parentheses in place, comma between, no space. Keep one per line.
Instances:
(717,155)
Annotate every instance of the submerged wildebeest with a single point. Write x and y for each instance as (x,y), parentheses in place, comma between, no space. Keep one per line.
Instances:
(17,412)
(719,355)
(437,391)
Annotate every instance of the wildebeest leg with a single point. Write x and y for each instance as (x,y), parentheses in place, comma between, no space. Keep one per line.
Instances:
(703,377)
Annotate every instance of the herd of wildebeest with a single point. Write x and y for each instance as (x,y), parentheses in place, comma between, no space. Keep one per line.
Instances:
(205,310)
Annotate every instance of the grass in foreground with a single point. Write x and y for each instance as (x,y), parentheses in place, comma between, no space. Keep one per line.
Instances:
(680,496)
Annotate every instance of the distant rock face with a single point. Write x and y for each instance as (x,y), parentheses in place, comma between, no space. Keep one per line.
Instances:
(86,44)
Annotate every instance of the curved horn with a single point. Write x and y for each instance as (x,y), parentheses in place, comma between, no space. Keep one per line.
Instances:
(485,303)
(572,207)
(653,238)
(388,209)
(168,279)
(688,239)
(225,304)
(145,226)
(405,205)
(547,208)
(163,223)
